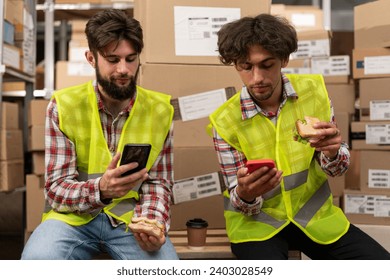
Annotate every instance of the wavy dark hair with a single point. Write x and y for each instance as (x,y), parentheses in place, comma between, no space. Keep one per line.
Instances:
(113,25)
(273,33)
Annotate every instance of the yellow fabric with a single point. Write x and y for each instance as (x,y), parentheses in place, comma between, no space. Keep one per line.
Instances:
(259,138)
(149,122)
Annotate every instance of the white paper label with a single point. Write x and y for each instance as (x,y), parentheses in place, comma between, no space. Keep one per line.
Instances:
(310,48)
(201,105)
(377,65)
(303,20)
(196,28)
(196,187)
(331,66)
(378,133)
(378,178)
(382,207)
(379,110)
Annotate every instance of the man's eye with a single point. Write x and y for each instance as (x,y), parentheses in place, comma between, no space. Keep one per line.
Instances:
(246,67)
(112,60)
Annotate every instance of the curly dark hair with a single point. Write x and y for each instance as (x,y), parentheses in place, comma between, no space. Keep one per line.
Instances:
(113,25)
(273,33)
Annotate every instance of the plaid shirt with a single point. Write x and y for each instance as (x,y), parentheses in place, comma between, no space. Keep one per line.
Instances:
(65,194)
(231,160)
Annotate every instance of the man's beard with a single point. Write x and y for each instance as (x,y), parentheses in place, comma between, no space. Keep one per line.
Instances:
(117,92)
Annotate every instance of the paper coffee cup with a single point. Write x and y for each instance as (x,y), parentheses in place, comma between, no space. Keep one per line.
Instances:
(196,233)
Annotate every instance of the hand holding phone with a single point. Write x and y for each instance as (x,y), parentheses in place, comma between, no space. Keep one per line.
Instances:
(255,164)
(135,153)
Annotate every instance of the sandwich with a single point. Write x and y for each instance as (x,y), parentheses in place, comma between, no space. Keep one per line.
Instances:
(305,130)
(147,226)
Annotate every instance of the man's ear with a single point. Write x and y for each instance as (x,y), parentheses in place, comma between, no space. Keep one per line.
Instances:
(90,58)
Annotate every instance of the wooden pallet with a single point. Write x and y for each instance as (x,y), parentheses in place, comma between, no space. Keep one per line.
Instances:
(217,246)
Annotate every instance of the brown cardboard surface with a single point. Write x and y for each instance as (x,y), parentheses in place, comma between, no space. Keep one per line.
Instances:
(374,161)
(9,115)
(359,129)
(343,97)
(35,200)
(180,80)
(11,174)
(157,20)
(11,144)
(358,57)
(37,111)
(372,25)
(209,208)
(36,138)
(369,90)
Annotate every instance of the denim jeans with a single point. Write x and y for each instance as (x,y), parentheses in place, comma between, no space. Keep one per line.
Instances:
(56,240)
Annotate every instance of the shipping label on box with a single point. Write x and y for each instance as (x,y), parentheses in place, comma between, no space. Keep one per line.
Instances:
(379,110)
(374,65)
(338,65)
(310,48)
(201,105)
(196,28)
(379,178)
(377,133)
(382,207)
(196,187)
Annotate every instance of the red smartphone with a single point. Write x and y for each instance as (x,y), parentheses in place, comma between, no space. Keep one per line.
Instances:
(135,153)
(254,164)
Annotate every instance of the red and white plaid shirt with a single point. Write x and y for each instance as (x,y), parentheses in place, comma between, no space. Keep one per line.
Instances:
(231,160)
(65,193)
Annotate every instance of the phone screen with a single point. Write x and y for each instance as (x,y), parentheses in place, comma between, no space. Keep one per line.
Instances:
(135,153)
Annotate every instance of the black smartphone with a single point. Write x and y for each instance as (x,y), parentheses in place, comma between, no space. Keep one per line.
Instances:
(135,153)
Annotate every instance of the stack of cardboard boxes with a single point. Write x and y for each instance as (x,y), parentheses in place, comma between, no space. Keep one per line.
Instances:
(370,203)
(11,148)
(35,180)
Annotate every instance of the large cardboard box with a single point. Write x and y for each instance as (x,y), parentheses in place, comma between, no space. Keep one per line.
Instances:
(372,24)
(312,43)
(37,112)
(368,207)
(374,97)
(375,171)
(11,174)
(36,138)
(303,17)
(9,115)
(371,63)
(11,144)
(72,73)
(182,80)
(343,97)
(209,208)
(370,135)
(35,200)
(194,161)
(184,31)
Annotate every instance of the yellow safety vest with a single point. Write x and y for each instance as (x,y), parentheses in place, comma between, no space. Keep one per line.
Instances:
(304,197)
(149,121)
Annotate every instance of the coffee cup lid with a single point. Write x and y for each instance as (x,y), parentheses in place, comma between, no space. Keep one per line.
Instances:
(197,223)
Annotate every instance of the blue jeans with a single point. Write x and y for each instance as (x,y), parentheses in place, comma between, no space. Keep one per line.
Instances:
(56,240)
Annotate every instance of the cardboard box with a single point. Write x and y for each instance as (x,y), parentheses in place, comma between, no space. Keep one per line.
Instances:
(312,43)
(370,135)
(343,120)
(343,97)
(338,65)
(36,138)
(183,80)
(372,208)
(374,97)
(372,25)
(375,171)
(337,185)
(303,17)
(11,144)
(209,208)
(9,115)
(72,73)
(35,200)
(298,66)
(37,112)
(188,27)
(352,177)
(194,161)
(11,174)
(371,63)
(38,162)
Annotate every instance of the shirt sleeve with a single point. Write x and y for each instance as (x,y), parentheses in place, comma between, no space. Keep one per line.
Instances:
(63,192)
(231,161)
(156,192)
